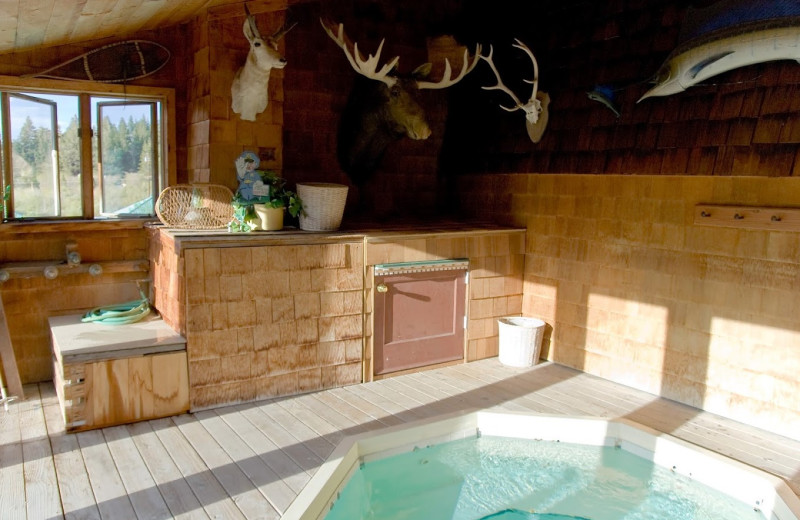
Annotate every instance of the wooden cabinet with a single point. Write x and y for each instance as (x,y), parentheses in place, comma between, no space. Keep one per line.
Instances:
(106,375)
(280,313)
(422,308)
(264,314)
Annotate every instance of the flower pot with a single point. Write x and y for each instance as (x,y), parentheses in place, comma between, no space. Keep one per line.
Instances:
(271,218)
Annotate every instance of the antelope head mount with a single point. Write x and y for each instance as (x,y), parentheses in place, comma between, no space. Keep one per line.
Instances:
(535,109)
(383,109)
(249,91)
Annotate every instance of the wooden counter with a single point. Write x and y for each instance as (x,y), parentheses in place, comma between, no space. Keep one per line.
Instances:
(192,239)
(268,314)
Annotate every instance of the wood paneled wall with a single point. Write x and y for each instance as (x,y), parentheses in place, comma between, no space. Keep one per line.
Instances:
(30,301)
(639,294)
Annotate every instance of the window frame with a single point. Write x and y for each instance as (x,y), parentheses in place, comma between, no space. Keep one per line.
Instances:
(84,90)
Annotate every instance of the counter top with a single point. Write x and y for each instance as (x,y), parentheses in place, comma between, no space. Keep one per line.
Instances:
(190,238)
(75,341)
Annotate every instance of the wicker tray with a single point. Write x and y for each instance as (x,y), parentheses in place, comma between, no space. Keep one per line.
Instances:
(195,206)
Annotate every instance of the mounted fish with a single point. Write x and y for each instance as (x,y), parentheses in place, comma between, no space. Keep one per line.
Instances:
(536,108)
(249,91)
(606,96)
(728,35)
(383,109)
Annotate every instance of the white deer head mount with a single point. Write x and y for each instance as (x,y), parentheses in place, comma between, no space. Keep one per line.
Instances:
(249,91)
(536,113)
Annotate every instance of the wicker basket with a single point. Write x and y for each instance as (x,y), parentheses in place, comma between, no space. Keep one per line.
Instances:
(195,206)
(323,205)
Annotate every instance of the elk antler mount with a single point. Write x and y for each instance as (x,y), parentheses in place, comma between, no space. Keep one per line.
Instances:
(536,108)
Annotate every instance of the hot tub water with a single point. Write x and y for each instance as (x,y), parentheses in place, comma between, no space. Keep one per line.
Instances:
(518,479)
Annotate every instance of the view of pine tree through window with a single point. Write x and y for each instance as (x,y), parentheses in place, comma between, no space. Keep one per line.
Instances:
(126,151)
(46,174)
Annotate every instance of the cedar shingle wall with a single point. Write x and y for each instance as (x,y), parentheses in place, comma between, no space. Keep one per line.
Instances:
(637,293)
(216,135)
(264,321)
(744,122)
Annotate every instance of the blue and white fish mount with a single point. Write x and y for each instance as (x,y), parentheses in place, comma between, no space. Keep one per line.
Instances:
(728,35)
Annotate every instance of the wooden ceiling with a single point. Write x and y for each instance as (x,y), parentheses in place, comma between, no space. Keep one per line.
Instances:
(34,24)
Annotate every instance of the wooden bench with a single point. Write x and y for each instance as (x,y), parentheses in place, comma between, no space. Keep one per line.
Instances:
(115,374)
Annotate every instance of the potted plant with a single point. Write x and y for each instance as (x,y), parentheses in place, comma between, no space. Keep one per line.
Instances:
(265,211)
(270,208)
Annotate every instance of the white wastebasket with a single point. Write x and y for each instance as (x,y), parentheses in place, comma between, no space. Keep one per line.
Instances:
(520,340)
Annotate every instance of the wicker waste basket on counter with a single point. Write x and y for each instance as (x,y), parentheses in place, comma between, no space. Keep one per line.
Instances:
(323,205)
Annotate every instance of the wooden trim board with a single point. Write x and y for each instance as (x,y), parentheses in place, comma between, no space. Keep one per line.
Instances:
(748,217)
(9,360)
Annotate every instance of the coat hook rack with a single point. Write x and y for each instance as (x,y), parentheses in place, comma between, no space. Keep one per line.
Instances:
(54,269)
(748,217)
(71,264)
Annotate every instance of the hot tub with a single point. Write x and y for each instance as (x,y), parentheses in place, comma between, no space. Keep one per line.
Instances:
(766,493)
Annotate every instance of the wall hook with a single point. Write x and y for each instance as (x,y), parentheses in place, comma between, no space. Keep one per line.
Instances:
(748,217)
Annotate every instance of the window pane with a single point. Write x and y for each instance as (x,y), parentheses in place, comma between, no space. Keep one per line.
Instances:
(69,159)
(45,156)
(126,168)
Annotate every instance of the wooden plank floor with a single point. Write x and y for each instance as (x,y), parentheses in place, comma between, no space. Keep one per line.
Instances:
(251,460)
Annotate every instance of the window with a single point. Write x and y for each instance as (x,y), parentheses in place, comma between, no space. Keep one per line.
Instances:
(53,169)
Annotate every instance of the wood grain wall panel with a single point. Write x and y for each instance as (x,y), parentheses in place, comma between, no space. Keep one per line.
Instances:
(117,391)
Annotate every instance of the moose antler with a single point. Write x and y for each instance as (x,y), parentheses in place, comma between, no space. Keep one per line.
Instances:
(533,107)
(365,67)
(446,81)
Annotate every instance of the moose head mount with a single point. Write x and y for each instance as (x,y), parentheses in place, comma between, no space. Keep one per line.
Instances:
(249,91)
(536,108)
(383,109)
